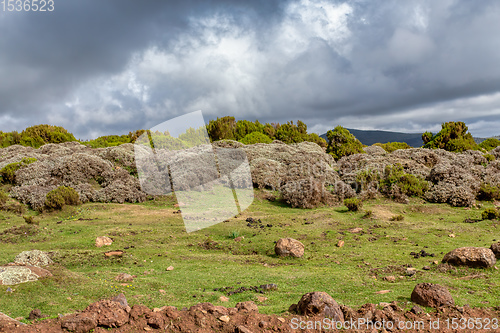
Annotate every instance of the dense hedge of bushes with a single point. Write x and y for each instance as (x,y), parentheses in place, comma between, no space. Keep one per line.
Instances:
(227,128)
(36,136)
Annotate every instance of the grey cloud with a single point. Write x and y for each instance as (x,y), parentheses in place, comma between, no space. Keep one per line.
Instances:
(398,64)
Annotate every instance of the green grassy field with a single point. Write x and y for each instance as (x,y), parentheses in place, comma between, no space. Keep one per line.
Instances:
(153,238)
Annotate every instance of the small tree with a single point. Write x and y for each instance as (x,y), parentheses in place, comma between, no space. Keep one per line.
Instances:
(342,143)
(454,136)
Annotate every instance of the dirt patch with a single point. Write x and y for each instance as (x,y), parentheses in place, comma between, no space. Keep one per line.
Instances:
(116,316)
(382,213)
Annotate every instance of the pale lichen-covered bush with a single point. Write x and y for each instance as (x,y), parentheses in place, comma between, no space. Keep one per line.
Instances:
(275,164)
(496,152)
(33,195)
(304,193)
(375,150)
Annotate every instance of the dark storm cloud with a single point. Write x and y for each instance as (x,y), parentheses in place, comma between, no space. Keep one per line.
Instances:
(114,66)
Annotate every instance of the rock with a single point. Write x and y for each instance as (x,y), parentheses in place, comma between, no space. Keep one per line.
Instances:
(426,268)
(416,310)
(269,286)
(224,318)
(13,274)
(247,306)
(382,292)
(471,256)
(170,268)
(79,323)
(355,230)
(156,320)
(242,329)
(124,277)
(223,299)
(340,243)
(261,299)
(121,299)
(117,253)
(289,247)
(36,314)
(431,295)
(33,258)
(410,271)
(390,278)
(496,249)
(103,240)
(319,303)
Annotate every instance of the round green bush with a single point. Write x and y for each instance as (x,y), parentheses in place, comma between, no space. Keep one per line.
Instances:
(490,214)
(353,204)
(255,137)
(61,196)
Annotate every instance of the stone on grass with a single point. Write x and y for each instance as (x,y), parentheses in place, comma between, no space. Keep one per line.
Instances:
(33,258)
(12,274)
(471,256)
(124,277)
(289,247)
(496,249)
(247,306)
(103,240)
(318,303)
(431,295)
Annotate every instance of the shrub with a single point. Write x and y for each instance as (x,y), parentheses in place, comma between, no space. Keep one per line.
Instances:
(8,172)
(392,146)
(342,143)
(36,136)
(353,204)
(489,157)
(255,137)
(368,214)
(304,193)
(453,137)
(30,219)
(366,177)
(3,198)
(234,234)
(490,144)
(14,207)
(488,192)
(61,196)
(409,184)
(397,218)
(490,214)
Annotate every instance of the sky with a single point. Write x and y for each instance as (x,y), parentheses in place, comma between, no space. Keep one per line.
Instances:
(110,67)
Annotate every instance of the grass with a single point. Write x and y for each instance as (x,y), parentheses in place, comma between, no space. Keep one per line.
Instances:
(153,238)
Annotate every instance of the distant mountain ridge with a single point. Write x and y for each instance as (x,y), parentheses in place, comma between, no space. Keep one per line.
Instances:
(369,137)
